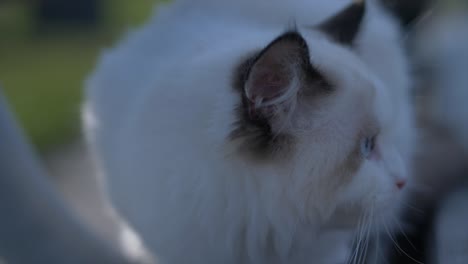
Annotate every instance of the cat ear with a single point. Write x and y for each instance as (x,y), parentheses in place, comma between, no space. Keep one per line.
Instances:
(344,26)
(275,75)
(272,83)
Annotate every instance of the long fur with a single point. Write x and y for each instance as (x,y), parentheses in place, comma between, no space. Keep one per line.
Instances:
(160,108)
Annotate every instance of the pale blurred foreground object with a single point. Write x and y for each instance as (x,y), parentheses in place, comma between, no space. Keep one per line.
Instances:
(35,225)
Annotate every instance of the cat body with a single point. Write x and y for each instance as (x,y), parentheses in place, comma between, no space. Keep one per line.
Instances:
(222,142)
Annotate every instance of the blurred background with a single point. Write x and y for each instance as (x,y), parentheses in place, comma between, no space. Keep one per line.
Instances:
(48,47)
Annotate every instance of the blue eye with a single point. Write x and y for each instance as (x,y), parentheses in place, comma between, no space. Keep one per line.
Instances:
(367,146)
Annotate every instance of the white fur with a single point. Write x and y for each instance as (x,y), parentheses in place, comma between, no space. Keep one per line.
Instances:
(161,106)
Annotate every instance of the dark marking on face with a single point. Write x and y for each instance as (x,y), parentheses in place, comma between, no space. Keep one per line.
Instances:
(255,131)
(255,128)
(258,138)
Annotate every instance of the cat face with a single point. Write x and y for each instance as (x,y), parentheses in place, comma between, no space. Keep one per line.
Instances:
(310,104)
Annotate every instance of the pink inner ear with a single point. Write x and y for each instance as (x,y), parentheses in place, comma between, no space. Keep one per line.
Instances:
(271,75)
(267,83)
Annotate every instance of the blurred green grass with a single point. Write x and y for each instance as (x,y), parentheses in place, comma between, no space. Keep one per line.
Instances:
(43,74)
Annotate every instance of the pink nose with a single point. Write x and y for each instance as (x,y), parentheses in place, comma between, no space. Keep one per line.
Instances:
(400,184)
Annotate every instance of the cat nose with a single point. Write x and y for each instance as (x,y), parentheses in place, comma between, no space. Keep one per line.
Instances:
(400,184)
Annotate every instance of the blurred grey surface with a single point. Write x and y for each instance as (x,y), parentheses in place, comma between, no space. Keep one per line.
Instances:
(36,226)
(75,175)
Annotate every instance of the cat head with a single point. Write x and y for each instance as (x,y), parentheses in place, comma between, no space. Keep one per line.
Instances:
(310,104)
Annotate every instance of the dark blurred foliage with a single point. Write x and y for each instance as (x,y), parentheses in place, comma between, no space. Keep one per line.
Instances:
(87,12)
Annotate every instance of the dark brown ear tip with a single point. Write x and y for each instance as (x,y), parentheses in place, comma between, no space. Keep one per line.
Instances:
(360,3)
(345,25)
(359,6)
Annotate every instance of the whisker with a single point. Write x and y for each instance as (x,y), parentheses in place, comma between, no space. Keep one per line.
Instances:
(377,247)
(357,241)
(351,256)
(409,206)
(363,237)
(398,246)
(355,258)
(380,255)
(403,232)
(369,229)
(361,256)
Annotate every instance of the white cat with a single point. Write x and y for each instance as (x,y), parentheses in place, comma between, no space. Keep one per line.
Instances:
(261,131)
